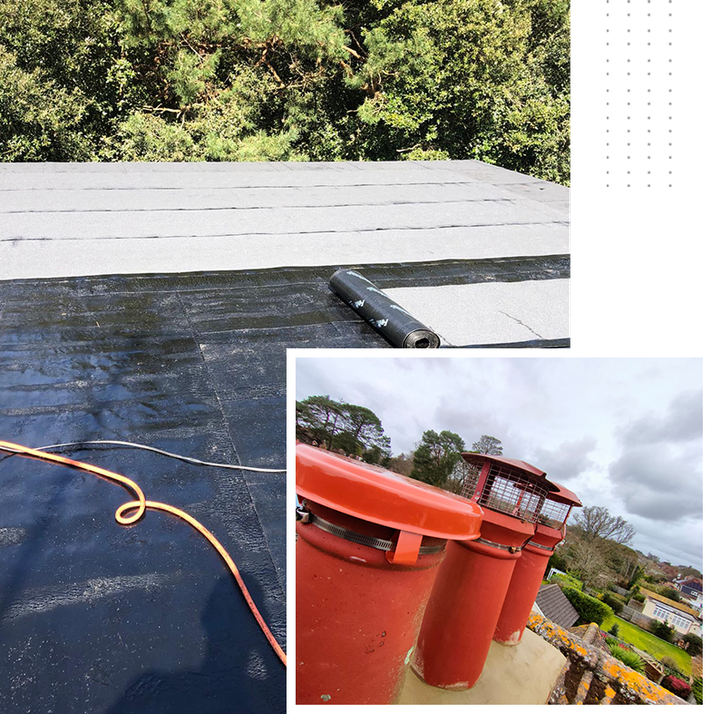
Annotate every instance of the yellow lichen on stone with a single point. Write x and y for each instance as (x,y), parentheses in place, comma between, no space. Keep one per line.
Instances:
(632,684)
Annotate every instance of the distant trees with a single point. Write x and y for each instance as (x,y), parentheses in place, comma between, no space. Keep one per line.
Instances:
(585,560)
(243,80)
(595,523)
(596,548)
(664,590)
(339,426)
(462,470)
(358,431)
(402,464)
(687,571)
(488,445)
(670,594)
(436,457)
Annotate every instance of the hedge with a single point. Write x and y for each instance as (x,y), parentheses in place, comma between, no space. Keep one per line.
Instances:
(589,608)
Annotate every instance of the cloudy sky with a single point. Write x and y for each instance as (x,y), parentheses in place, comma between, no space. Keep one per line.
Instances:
(622,433)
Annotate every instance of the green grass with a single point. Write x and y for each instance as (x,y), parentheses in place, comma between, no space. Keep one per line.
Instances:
(646,642)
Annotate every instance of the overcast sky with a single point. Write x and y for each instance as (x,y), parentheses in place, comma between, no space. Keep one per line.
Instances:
(622,433)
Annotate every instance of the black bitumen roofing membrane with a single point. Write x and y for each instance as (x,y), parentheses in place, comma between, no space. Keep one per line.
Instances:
(96,617)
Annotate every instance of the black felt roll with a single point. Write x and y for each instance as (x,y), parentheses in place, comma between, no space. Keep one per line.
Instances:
(391,320)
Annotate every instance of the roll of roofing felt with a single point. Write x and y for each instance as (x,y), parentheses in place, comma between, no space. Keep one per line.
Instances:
(391,320)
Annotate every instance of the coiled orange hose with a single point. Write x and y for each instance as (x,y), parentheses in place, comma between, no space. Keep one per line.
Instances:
(137,510)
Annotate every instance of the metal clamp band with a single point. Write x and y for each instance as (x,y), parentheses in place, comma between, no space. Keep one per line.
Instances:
(544,547)
(305,516)
(499,546)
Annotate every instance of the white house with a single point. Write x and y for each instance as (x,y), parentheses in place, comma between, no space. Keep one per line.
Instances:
(677,614)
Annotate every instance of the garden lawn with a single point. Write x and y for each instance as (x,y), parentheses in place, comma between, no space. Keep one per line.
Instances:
(646,642)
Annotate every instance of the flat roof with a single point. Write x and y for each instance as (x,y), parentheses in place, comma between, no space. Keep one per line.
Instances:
(154,303)
(67,220)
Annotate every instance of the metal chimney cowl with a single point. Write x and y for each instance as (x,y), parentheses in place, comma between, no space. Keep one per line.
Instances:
(472,583)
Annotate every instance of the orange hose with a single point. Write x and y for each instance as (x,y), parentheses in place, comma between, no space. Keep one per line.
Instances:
(138,506)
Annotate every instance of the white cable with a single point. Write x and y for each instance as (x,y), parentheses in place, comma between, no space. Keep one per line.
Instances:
(188,459)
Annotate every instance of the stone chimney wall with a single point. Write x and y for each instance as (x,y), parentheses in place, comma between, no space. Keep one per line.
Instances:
(591,675)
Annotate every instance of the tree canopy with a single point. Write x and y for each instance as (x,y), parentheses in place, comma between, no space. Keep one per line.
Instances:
(339,426)
(596,522)
(242,80)
(436,457)
(596,548)
(488,445)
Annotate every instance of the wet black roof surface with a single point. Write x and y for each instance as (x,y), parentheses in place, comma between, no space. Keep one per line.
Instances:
(100,618)
(95,617)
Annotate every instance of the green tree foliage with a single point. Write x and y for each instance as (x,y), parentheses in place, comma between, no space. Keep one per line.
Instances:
(488,445)
(469,79)
(436,457)
(39,120)
(62,78)
(463,470)
(186,80)
(317,419)
(558,562)
(350,428)
(670,593)
(614,602)
(694,644)
(662,630)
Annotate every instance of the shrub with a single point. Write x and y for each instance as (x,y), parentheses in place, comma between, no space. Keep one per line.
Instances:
(557,561)
(638,597)
(615,629)
(569,580)
(670,593)
(589,608)
(628,657)
(614,602)
(695,644)
(662,630)
(670,662)
(676,686)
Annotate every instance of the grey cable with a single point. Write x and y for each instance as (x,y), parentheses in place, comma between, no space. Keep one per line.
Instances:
(180,457)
